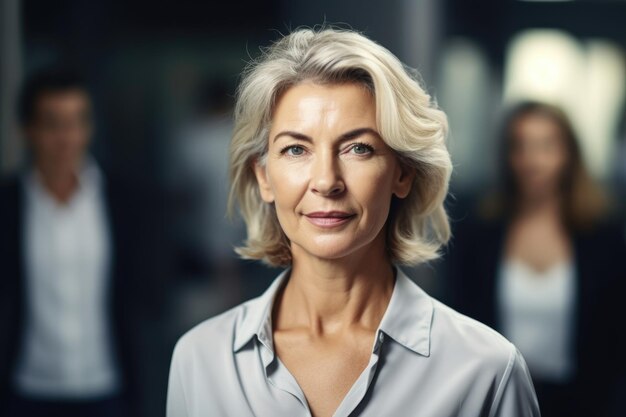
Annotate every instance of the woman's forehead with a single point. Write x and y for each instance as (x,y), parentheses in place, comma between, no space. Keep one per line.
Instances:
(312,107)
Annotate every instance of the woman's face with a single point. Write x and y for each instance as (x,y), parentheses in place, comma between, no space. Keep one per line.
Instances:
(538,155)
(328,172)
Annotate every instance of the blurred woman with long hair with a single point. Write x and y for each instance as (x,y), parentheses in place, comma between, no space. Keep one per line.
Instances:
(542,264)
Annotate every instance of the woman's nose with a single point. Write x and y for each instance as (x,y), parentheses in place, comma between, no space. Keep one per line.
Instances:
(326,177)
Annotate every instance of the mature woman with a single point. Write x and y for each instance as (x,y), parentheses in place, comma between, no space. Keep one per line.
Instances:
(339,167)
(544,266)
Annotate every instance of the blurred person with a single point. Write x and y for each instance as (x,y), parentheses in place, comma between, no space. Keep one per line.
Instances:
(77,264)
(199,173)
(339,165)
(542,263)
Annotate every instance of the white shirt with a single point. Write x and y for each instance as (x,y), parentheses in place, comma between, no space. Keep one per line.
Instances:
(66,347)
(427,360)
(537,310)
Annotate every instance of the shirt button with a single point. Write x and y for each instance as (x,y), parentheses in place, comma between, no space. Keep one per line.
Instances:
(381,337)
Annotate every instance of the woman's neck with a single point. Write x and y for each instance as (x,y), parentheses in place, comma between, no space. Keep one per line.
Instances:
(544,206)
(329,296)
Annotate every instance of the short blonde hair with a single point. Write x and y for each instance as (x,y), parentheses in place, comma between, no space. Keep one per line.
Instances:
(408,121)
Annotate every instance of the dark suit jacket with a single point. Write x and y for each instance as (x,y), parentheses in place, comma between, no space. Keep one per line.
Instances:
(473,260)
(135,288)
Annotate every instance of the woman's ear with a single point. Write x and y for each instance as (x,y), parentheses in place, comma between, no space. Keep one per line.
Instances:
(403,180)
(260,171)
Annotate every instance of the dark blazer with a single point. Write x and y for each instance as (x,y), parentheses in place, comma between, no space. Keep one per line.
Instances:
(472,267)
(135,289)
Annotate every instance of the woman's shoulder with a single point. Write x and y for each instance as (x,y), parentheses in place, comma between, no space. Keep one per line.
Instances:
(214,336)
(464,337)
(202,359)
(471,358)
(484,360)
(225,333)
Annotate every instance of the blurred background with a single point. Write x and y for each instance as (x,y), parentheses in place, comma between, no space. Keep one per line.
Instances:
(162,76)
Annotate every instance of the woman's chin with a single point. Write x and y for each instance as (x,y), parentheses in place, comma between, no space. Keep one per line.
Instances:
(330,248)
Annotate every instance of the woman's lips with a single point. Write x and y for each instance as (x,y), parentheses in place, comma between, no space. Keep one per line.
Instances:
(328,219)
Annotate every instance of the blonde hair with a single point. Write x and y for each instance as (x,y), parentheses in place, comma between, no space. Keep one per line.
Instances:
(408,121)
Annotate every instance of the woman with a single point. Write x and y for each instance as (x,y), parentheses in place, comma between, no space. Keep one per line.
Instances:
(339,166)
(544,266)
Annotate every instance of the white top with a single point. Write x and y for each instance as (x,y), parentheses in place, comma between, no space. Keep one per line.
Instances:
(66,347)
(427,360)
(537,311)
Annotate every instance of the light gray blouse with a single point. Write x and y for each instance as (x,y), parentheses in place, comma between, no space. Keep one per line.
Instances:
(427,360)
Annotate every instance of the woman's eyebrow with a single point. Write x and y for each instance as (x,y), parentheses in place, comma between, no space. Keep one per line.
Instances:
(359,132)
(294,135)
(343,137)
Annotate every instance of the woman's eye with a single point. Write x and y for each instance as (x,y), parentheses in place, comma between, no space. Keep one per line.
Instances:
(294,150)
(361,149)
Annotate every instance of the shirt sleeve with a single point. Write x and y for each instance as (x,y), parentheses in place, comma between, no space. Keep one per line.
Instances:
(515,396)
(176,404)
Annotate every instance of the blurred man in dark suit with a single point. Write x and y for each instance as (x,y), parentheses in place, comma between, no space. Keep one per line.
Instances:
(77,259)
